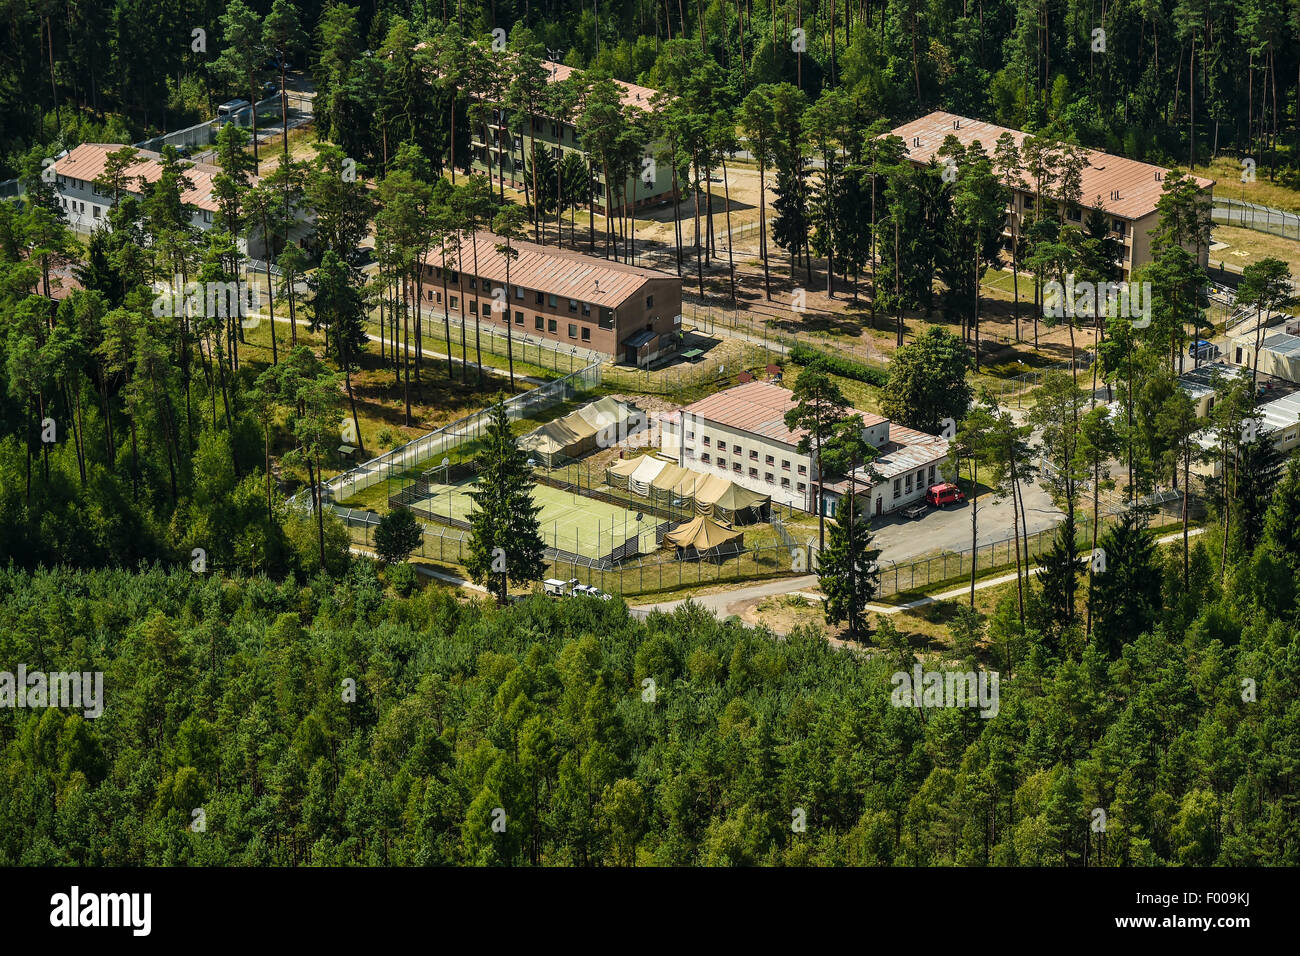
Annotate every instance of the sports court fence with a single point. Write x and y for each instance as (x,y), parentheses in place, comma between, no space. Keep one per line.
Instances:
(442,441)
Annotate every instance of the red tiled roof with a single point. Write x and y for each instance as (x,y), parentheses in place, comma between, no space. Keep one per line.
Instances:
(87,162)
(758,407)
(561,272)
(1139,189)
(633,95)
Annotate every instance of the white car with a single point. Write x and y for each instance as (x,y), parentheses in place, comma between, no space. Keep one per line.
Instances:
(587,590)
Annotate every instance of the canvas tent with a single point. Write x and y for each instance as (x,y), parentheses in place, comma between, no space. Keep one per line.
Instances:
(579,432)
(702,536)
(646,472)
(617,474)
(736,505)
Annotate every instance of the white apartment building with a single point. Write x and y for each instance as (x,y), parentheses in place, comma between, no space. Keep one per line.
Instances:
(86,204)
(741,432)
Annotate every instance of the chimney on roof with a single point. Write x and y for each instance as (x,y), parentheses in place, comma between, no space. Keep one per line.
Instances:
(916,141)
(1159,176)
(956,124)
(597,285)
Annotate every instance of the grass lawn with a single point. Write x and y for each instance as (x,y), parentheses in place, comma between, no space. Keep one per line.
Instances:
(1245,246)
(1226,171)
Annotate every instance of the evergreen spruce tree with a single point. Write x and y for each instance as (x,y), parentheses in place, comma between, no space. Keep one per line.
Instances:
(1058,584)
(505,535)
(847,571)
(1125,596)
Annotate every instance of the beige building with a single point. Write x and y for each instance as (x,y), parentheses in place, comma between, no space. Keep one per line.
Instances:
(629,313)
(1125,189)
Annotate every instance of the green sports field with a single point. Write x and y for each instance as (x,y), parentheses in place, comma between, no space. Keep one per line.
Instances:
(569,521)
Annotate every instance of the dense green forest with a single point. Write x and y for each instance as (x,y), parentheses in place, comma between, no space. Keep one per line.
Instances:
(676,740)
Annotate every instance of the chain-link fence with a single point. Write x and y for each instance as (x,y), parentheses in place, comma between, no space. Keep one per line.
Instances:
(923,573)
(658,571)
(1249,215)
(442,441)
(525,348)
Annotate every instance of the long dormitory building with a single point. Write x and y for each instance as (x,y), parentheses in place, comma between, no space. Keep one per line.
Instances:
(628,313)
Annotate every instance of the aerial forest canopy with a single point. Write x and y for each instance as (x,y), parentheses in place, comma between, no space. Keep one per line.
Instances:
(327,724)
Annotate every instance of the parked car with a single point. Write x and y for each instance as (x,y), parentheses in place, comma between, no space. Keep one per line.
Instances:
(270,89)
(589,590)
(916,511)
(1203,349)
(945,494)
(554,587)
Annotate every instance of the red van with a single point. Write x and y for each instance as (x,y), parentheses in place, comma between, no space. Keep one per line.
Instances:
(944,494)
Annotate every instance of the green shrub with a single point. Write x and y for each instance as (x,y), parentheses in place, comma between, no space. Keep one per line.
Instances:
(401,578)
(838,365)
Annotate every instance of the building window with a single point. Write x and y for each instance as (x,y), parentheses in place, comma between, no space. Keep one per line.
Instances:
(803,469)
(473,282)
(551,301)
(538,323)
(586,308)
(785,465)
(487,285)
(753,455)
(707,441)
(1117,226)
(802,487)
(453,302)
(770,460)
(722,463)
(1074,214)
(573,331)
(538,298)
(519,318)
(908,483)
(898,487)
(487,311)
(519,293)
(735,466)
(722,446)
(586,334)
(94,211)
(690,436)
(753,472)
(706,457)
(769,478)
(932,474)
(473,307)
(455,277)
(785,483)
(573,305)
(552,325)
(649,301)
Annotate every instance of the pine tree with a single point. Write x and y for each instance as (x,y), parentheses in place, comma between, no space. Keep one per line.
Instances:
(847,571)
(1124,596)
(505,535)
(1059,582)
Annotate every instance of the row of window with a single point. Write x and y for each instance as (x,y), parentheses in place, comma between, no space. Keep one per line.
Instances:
(903,485)
(540,323)
(736,467)
(721,446)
